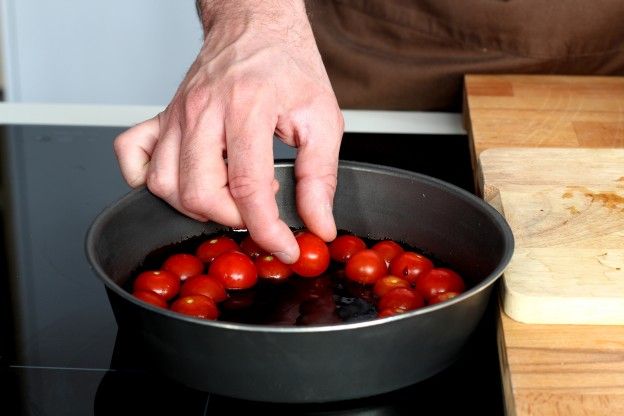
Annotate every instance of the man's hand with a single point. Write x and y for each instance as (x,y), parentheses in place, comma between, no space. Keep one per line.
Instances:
(259,72)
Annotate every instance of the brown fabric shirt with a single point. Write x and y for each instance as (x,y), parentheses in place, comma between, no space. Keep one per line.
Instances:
(412,54)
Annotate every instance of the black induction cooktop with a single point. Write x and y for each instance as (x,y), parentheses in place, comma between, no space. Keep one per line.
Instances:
(60,350)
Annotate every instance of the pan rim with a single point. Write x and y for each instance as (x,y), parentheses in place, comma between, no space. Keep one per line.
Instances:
(497,218)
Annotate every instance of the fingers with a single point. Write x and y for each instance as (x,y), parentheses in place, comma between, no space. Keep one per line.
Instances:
(203,174)
(249,138)
(163,175)
(316,173)
(134,148)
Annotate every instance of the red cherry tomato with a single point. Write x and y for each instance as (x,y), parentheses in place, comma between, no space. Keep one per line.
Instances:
(409,265)
(344,246)
(151,297)
(390,312)
(206,285)
(314,255)
(442,297)
(388,250)
(251,248)
(184,265)
(161,282)
(439,280)
(387,283)
(271,268)
(401,298)
(234,270)
(196,305)
(365,267)
(208,250)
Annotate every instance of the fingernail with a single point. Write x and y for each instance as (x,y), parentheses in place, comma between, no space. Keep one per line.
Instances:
(284,257)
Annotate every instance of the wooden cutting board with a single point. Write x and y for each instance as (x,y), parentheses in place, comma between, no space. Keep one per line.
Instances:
(566,210)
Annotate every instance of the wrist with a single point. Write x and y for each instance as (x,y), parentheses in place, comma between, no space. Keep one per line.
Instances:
(241,14)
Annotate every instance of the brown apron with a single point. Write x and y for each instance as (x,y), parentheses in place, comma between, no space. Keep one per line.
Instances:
(412,54)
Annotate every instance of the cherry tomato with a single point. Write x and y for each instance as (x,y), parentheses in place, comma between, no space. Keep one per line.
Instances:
(387,283)
(365,267)
(161,282)
(401,298)
(442,297)
(344,246)
(439,280)
(388,250)
(234,270)
(208,250)
(184,265)
(251,248)
(270,267)
(196,305)
(390,312)
(409,265)
(151,297)
(314,255)
(206,285)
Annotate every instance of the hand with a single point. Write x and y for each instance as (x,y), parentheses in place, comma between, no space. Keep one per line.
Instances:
(259,72)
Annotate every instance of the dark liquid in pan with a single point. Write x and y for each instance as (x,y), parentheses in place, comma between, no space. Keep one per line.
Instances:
(298,301)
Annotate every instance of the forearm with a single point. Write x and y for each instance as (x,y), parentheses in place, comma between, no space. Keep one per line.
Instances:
(244,12)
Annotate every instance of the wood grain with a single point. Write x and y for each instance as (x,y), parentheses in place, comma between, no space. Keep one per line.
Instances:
(552,369)
(566,210)
(562,369)
(545,111)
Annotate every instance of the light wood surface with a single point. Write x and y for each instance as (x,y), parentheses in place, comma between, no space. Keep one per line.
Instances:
(552,369)
(566,210)
(543,111)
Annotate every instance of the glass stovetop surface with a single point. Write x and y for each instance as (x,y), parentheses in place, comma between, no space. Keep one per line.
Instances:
(60,349)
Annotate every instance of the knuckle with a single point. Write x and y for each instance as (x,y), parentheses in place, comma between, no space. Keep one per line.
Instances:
(161,185)
(121,143)
(197,201)
(242,91)
(340,120)
(195,101)
(242,187)
(328,181)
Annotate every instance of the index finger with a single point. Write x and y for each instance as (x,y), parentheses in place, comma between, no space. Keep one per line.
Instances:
(249,139)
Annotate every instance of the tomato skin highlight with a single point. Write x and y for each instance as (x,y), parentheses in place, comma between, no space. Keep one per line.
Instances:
(251,248)
(442,297)
(365,267)
(388,249)
(271,268)
(205,285)
(234,270)
(439,280)
(161,282)
(401,298)
(150,297)
(409,265)
(314,255)
(384,313)
(197,306)
(387,283)
(345,246)
(184,265)
(213,248)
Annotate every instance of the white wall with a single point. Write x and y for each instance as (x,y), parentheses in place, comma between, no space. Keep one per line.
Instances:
(94,51)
